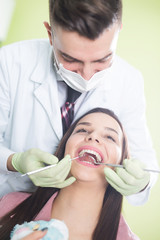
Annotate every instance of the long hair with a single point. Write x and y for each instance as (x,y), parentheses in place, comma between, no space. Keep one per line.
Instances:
(89,18)
(107,226)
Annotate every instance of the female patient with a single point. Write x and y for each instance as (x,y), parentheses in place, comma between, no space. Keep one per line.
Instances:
(90,207)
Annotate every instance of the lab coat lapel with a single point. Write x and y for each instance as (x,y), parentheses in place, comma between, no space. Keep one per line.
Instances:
(47,95)
(46,92)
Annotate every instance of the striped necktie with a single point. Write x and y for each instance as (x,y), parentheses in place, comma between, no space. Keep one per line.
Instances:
(67,110)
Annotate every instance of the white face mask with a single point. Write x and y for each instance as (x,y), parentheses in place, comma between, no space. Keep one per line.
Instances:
(76,81)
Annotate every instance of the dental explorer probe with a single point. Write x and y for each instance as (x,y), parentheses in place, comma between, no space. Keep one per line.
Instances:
(45,168)
(96,163)
(121,166)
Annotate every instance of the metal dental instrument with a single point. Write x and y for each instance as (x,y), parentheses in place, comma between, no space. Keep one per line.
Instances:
(46,167)
(121,166)
(96,163)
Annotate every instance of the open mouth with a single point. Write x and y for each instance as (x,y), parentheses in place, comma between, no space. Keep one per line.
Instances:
(90,156)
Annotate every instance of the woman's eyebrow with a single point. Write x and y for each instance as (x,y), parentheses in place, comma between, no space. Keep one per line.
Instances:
(111,129)
(106,128)
(84,123)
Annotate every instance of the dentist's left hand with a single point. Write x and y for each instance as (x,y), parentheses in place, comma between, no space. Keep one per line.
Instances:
(128,180)
(34,159)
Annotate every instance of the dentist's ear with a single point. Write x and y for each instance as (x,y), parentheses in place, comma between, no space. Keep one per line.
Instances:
(48,28)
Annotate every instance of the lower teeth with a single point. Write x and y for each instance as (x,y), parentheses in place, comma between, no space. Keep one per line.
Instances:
(88,162)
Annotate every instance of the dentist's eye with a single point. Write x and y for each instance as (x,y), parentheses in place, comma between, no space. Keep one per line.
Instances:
(68,60)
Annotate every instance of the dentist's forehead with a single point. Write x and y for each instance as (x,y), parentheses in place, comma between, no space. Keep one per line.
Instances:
(72,44)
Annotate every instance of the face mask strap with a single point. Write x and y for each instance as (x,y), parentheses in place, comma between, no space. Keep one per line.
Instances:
(56,62)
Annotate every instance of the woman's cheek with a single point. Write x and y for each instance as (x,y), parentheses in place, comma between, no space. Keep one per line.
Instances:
(115,155)
(118,156)
(69,146)
(73,145)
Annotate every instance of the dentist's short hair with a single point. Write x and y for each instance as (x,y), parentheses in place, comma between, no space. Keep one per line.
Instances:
(89,18)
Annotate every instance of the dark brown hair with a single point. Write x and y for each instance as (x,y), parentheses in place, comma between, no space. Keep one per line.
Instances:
(89,18)
(108,223)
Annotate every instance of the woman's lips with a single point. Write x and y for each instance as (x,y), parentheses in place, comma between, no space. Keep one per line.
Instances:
(86,160)
(89,156)
(94,154)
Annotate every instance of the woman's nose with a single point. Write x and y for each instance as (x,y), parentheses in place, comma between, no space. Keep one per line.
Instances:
(93,138)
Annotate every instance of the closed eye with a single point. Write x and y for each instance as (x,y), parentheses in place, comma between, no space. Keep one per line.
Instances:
(110,138)
(105,59)
(69,60)
(81,130)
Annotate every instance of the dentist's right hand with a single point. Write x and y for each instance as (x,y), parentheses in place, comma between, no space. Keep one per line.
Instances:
(34,159)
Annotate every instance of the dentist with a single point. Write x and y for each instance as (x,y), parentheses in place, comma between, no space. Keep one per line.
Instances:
(37,77)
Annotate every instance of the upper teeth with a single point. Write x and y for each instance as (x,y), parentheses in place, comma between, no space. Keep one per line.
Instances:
(97,155)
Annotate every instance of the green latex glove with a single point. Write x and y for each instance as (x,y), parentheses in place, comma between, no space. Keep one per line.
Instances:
(34,159)
(128,180)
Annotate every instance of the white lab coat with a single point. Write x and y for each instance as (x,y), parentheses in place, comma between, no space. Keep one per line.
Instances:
(30,109)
